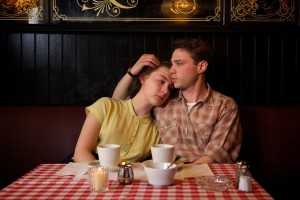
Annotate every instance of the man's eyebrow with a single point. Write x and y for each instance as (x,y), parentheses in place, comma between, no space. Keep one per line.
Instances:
(178,60)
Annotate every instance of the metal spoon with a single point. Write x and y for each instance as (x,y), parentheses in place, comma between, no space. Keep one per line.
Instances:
(176,158)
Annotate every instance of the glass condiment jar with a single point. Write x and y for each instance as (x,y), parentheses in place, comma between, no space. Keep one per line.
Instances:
(245,179)
(125,173)
(239,164)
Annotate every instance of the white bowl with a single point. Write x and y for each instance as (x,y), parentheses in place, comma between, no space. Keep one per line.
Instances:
(159,174)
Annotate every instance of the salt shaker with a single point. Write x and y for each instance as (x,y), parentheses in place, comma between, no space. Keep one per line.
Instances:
(245,182)
(237,174)
(125,173)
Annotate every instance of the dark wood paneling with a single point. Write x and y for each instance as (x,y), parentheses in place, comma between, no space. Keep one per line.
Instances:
(78,68)
(275,68)
(233,62)
(82,68)
(42,69)
(55,69)
(109,67)
(164,46)
(69,68)
(13,63)
(248,94)
(28,68)
(96,66)
(261,66)
(220,70)
(289,60)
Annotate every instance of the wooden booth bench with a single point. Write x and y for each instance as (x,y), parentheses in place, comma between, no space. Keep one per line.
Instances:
(32,135)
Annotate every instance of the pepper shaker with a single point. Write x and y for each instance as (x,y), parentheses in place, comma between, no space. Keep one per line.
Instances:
(125,173)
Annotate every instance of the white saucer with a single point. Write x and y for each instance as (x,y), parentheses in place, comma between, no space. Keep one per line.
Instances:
(96,163)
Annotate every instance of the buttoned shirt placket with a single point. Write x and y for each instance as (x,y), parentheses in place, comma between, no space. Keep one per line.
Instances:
(133,133)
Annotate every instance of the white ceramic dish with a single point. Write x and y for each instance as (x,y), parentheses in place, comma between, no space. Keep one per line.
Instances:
(214,183)
(158,174)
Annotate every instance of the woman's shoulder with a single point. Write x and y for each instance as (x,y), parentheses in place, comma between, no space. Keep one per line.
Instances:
(111,101)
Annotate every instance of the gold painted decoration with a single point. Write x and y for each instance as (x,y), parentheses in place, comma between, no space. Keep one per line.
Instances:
(26,10)
(263,10)
(111,7)
(136,10)
(177,11)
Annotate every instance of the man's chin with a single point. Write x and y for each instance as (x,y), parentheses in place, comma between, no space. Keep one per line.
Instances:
(177,86)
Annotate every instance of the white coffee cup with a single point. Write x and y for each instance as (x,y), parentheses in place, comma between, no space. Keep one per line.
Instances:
(109,155)
(162,153)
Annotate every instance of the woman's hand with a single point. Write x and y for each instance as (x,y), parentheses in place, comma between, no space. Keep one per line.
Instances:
(145,60)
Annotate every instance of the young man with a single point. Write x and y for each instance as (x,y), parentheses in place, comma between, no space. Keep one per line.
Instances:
(201,123)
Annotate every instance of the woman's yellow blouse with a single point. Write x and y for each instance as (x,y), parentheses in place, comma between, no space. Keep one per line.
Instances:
(120,125)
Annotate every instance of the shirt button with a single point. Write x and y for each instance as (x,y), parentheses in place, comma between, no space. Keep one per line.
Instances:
(189,140)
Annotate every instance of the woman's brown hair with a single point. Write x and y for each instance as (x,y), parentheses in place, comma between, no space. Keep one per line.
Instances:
(136,84)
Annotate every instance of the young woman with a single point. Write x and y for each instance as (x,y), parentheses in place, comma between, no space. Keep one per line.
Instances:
(128,123)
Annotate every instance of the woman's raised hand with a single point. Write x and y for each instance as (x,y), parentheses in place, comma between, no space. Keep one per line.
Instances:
(145,60)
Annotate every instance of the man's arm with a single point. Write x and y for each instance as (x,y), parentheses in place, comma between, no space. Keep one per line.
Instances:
(226,138)
(204,159)
(121,90)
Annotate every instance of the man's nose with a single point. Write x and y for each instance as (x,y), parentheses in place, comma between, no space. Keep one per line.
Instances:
(172,70)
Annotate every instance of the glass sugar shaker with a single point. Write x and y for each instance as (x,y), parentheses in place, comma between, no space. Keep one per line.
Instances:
(245,180)
(238,170)
(125,173)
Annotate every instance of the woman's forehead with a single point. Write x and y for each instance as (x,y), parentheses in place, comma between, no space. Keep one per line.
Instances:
(163,69)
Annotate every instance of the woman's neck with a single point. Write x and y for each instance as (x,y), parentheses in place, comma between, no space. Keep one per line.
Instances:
(140,105)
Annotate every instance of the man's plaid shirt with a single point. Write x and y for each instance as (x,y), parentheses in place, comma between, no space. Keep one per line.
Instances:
(211,128)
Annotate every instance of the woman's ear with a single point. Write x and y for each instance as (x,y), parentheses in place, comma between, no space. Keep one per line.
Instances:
(202,66)
(142,78)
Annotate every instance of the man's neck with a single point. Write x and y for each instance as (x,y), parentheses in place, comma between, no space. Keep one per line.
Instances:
(196,93)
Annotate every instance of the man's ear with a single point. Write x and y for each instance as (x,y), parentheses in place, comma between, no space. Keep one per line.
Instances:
(202,66)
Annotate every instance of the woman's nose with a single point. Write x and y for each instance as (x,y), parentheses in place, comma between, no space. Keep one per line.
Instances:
(165,89)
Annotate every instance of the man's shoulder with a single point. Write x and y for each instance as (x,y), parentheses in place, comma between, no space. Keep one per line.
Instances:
(220,98)
(217,94)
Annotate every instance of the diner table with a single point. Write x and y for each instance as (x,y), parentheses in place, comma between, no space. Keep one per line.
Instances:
(43,183)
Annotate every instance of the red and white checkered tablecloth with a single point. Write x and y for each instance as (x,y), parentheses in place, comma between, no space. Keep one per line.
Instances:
(42,183)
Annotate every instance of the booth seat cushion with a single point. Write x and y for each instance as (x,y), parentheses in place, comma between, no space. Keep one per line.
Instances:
(271,142)
(31,135)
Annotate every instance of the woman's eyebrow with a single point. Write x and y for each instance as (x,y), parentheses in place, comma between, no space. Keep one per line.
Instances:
(163,76)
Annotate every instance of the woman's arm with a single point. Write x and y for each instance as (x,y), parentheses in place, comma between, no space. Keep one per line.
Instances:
(87,140)
(121,90)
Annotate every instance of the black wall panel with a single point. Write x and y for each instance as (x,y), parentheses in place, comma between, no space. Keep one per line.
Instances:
(73,68)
